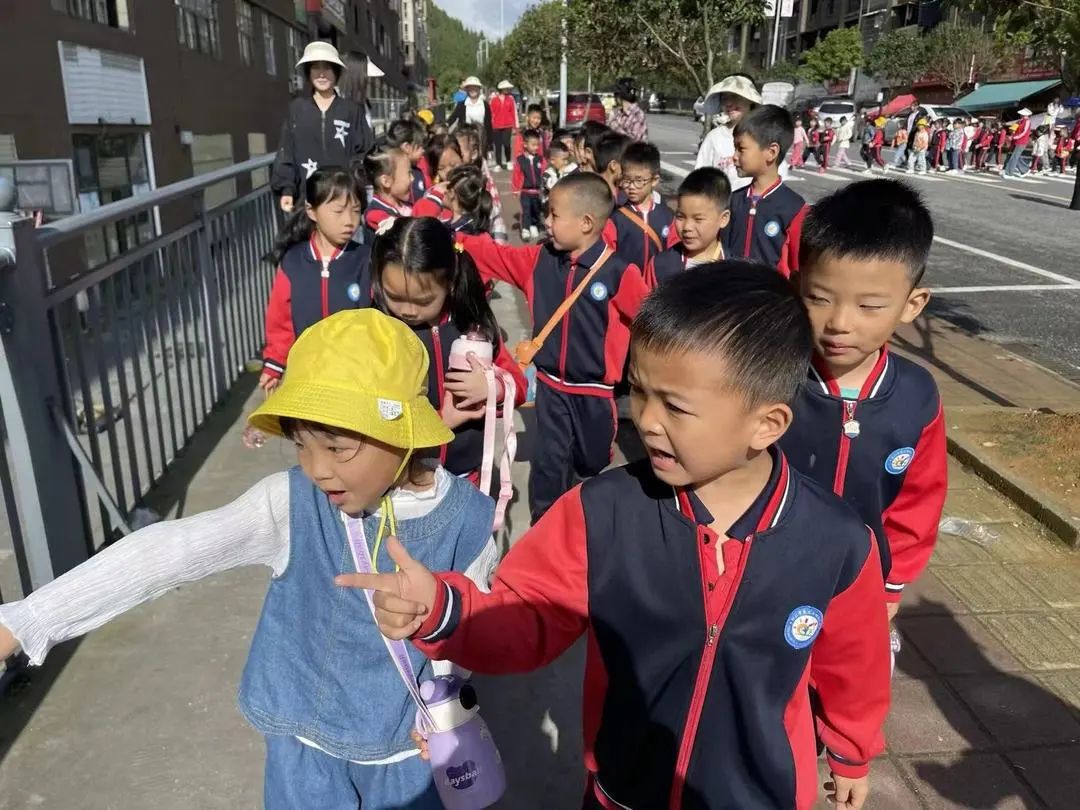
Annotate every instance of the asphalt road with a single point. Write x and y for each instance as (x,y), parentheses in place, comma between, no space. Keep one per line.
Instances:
(1006,258)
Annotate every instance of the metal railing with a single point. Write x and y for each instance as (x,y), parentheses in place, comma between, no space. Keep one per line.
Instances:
(105,378)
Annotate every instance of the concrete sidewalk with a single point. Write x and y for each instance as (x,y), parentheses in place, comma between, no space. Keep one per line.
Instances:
(986,698)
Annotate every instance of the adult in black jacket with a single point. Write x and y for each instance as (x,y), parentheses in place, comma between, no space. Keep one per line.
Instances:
(473,109)
(322,129)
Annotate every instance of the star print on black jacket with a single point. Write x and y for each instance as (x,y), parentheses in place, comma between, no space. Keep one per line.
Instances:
(312,139)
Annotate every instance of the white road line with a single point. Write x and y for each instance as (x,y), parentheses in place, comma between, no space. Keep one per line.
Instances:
(680,153)
(986,254)
(1006,288)
(671,168)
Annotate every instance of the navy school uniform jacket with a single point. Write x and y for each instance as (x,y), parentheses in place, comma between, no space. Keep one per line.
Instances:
(586,351)
(309,287)
(768,231)
(418,185)
(634,243)
(672,262)
(696,682)
(378,211)
(890,465)
(465,453)
(528,175)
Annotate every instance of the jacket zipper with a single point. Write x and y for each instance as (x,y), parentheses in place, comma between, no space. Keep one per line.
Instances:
(566,323)
(847,414)
(322,131)
(326,287)
(704,675)
(440,381)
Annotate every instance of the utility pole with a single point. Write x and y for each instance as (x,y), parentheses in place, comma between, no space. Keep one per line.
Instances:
(562,67)
(776,31)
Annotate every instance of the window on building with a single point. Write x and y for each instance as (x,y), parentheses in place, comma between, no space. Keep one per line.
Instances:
(210,152)
(111,167)
(294,46)
(257,146)
(831,8)
(114,13)
(197,25)
(245,31)
(269,47)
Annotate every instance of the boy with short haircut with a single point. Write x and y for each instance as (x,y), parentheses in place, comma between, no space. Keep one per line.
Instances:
(643,224)
(767,217)
(700,217)
(607,154)
(869,424)
(581,358)
(713,581)
(527,182)
(560,164)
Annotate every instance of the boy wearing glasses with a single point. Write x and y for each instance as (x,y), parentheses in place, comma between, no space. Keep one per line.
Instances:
(643,223)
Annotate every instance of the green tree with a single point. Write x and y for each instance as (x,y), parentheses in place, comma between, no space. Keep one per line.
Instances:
(782,71)
(531,53)
(649,37)
(962,54)
(833,58)
(899,57)
(453,51)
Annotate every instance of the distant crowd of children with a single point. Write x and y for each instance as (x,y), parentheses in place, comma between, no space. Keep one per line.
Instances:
(735,585)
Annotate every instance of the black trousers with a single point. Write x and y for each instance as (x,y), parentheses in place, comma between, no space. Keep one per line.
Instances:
(530,210)
(574,438)
(500,144)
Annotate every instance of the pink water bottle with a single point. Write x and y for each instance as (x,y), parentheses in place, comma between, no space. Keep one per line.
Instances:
(472,342)
(465,762)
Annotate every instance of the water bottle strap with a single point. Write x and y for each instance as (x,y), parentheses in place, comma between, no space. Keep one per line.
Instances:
(509,450)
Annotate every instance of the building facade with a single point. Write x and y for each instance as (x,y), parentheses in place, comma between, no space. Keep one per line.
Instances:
(414,41)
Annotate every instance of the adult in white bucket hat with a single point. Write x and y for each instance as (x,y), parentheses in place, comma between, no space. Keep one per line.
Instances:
(473,109)
(322,130)
(729,99)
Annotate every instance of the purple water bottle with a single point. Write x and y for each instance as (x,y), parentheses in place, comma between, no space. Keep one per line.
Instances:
(465,762)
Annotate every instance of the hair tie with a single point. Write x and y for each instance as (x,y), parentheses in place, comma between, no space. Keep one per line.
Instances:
(385,225)
(460,248)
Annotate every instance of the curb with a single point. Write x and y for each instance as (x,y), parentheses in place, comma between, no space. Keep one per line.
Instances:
(1046,509)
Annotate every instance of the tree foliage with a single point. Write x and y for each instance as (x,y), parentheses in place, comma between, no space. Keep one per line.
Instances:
(1050,27)
(899,57)
(531,53)
(686,38)
(453,51)
(783,71)
(833,58)
(961,55)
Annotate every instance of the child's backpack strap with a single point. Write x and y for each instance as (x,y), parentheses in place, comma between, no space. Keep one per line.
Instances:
(633,216)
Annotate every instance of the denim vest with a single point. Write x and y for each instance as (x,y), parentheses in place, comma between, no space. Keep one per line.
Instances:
(318,667)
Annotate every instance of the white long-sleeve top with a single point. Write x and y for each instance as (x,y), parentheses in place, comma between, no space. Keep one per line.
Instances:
(252,530)
(718,150)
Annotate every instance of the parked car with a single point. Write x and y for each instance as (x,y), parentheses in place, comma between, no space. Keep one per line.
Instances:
(834,108)
(608,100)
(931,112)
(580,107)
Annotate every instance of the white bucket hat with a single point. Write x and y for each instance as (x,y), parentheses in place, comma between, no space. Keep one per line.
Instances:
(471,81)
(320,52)
(505,85)
(733,85)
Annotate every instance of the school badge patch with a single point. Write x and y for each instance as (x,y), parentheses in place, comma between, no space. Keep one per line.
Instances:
(899,460)
(802,626)
(772,228)
(598,291)
(664,233)
(354,292)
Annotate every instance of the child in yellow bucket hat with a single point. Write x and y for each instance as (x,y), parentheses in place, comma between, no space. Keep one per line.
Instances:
(319,683)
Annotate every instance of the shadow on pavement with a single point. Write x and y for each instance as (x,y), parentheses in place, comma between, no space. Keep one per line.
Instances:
(994,713)
(26,691)
(1040,201)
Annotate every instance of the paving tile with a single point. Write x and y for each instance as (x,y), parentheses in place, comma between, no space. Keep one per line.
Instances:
(1065,684)
(961,477)
(986,588)
(961,781)
(1039,641)
(982,505)
(926,718)
(926,596)
(888,790)
(1017,710)
(1058,583)
(953,550)
(911,663)
(1023,541)
(1054,773)
(957,645)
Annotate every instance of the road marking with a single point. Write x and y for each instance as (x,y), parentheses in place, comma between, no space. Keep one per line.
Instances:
(680,153)
(1006,288)
(986,254)
(679,171)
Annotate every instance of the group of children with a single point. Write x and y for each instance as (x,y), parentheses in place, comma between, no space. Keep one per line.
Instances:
(735,585)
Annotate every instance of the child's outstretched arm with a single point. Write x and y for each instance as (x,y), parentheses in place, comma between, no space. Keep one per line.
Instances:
(280,333)
(514,265)
(537,608)
(849,668)
(912,518)
(252,530)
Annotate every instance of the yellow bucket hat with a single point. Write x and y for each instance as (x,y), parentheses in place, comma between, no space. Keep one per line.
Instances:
(427,116)
(358,370)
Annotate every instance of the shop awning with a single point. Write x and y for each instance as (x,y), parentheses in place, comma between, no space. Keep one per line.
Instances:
(1003,94)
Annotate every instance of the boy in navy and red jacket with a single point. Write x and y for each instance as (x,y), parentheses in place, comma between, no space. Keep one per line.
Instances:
(527,181)
(582,359)
(767,217)
(713,582)
(644,225)
(700,218)
(308,287)
(869,424)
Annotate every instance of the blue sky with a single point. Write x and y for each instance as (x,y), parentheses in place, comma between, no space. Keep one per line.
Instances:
(483,15)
